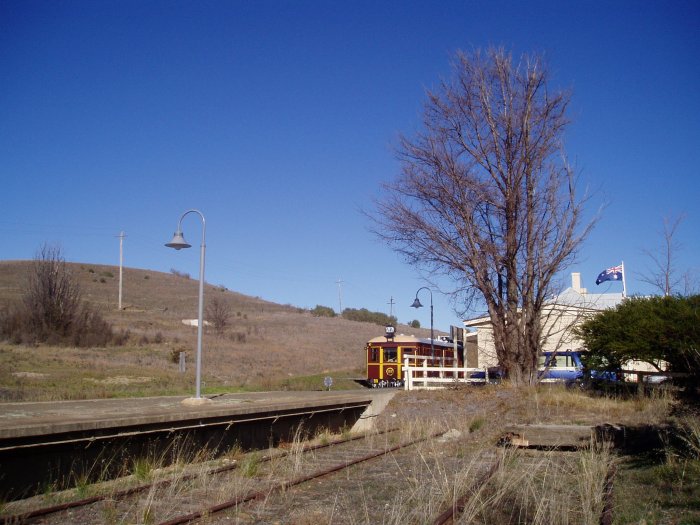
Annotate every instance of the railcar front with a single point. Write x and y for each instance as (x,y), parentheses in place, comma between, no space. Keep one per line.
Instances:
(385,357)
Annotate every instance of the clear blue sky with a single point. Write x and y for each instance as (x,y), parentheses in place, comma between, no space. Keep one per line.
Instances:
(277,119)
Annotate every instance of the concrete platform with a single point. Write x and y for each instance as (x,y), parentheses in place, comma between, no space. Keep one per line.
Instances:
(58,442)
(23,420)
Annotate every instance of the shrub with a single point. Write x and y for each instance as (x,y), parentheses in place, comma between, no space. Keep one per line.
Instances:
(648,329)
(52,309)
(178,273)
(364,315)
(121,338)
(414,324)
(323,311)
(238,337)
(175,354)
(218,313)
(52,297)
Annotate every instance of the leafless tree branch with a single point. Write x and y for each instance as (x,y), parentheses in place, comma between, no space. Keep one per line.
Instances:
(486,196)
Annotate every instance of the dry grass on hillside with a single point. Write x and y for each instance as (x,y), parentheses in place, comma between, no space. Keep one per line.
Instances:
(264,344)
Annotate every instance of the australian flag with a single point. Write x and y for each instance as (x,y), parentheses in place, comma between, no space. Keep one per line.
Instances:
(611,274)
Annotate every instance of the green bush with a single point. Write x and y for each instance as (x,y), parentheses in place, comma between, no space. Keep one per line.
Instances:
(365,316)
(323,311)
(647,329)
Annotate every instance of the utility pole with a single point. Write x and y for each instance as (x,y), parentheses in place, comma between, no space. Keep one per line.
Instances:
(391,304)
(339,282)
(121,264)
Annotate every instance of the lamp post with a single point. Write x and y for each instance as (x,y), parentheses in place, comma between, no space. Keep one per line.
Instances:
(417,304)
(178,242)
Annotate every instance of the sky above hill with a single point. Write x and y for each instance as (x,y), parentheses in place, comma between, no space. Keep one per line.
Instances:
(279,121)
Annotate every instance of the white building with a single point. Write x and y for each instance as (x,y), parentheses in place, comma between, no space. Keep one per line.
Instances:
(560,316)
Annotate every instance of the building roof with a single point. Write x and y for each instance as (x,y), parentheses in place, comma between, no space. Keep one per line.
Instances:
(591,301)
(401,338)
(571,297)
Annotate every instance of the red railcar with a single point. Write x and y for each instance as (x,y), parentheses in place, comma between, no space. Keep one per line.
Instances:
(386,355)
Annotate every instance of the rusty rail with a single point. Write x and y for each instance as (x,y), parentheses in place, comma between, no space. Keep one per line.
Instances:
(123,494)
(187,518)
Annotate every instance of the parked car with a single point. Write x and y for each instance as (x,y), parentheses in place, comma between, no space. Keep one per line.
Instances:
(560,367)
(557,367)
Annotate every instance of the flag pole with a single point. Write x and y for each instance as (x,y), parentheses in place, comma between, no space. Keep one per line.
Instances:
(624,281)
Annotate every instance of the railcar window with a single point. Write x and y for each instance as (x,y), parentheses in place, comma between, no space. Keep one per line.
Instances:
(390,355)
(373,356)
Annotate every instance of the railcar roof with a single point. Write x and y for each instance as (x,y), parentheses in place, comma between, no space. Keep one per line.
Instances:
(401,338)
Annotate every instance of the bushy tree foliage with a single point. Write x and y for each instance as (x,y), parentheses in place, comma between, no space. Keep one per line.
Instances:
(646,329)
(365,316)
(486,197)
(323,311)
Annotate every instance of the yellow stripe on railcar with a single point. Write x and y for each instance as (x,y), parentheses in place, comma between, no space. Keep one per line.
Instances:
(385,356)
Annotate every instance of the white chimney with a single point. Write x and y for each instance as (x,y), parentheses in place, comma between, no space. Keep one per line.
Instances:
(576,283)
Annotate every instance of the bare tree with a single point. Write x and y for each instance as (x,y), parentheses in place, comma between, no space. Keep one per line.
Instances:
(218,314)
(487,198)
(663,275)
(52,296)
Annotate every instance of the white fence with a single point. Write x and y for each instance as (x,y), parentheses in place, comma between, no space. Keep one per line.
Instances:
(422,376)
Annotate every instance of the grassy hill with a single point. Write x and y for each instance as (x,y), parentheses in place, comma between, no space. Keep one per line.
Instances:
(266,346)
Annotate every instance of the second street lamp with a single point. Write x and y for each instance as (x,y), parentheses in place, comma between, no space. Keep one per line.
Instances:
(417,304)
(178,242)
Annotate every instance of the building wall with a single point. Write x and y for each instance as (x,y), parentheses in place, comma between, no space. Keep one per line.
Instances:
(558,325)
(559,319)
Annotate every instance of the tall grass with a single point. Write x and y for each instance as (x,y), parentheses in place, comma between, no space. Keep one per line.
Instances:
(413,486)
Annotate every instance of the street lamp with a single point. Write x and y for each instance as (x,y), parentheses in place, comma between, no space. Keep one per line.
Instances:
(417,304)
(178,242)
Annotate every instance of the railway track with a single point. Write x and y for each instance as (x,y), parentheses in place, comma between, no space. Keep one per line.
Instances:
(253,479)
(356,476)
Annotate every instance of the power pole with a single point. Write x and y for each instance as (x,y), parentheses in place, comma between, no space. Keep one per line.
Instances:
(121,264)
(391,304)
(339,282)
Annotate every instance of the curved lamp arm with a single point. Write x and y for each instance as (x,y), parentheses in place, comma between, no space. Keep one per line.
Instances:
(178,242)
(417,304)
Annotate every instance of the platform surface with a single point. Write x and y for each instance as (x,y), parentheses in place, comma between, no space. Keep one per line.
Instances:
(52,417)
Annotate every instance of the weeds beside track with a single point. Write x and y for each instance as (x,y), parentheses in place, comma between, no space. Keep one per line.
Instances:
(80,510)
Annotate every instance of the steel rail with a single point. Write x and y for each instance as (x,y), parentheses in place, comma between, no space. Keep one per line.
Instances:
(125,493)
(449,515)
(187,518)
(458,506)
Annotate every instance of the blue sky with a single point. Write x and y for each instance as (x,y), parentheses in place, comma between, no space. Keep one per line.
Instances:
(278,119)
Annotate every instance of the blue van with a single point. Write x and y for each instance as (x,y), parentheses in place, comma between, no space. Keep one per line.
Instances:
(560,367)
(556,367)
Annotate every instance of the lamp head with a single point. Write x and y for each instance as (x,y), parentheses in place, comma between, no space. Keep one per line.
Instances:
(178,241)
(416,303)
